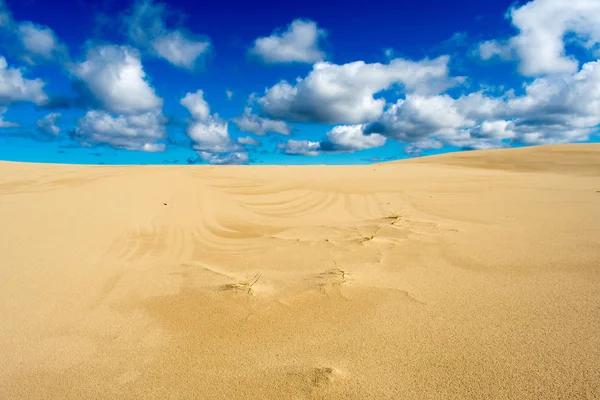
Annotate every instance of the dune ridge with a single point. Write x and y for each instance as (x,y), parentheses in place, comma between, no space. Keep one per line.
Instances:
(466,275)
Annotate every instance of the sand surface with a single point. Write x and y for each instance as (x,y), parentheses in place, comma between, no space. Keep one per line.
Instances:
(470,275)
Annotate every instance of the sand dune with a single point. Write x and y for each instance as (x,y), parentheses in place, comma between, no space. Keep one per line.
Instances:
(470,275)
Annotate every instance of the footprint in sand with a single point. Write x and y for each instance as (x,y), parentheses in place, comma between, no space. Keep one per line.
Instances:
(331,278)
(245,286)
(315,378)
(322,376)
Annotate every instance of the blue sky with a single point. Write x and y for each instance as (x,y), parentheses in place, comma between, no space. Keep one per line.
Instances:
(303,83)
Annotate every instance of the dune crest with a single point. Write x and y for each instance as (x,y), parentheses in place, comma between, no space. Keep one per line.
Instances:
(456,276)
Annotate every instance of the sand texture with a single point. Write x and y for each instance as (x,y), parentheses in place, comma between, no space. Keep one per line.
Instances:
(469,275)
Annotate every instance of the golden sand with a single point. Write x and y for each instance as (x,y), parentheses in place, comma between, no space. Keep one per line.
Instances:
(470,275)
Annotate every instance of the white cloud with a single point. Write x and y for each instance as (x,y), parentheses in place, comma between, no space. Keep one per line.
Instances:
(115,76)
(144,21)
(341,139)
(540,44)
(558,109)
(471,121)
(196,105)
(493,48)
(6,124)
(208,132)
(14,87)
(131,132)
(344,94)
(179,49)
(221,159)
(248,141)
(554,109)
(419,116)
(496,129)
(352,138)
(48,124)
(249,122)
(229,94)
(417,147)
(145,25)
(299,42)
(543,26)
(301,147)
(40,41)
(211,136)
(35,41)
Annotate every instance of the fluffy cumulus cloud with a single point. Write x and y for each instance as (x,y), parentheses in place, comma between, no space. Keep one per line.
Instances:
(344,94)
(209,133)
(543,26)
(248,141)
(494,48)
(418,116)
(558,109)
(115,77)
(14,87)
(40,41)
(298,42)
(197,106)
(249,122)
(211,136)
(129,111)
(131,132)
(352,138)
(35,42)
(301,147)
(417,148)
(145,25)
(221,159)
(341,139)
(553,109)
(6,124)
(178,49)
(47,124)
